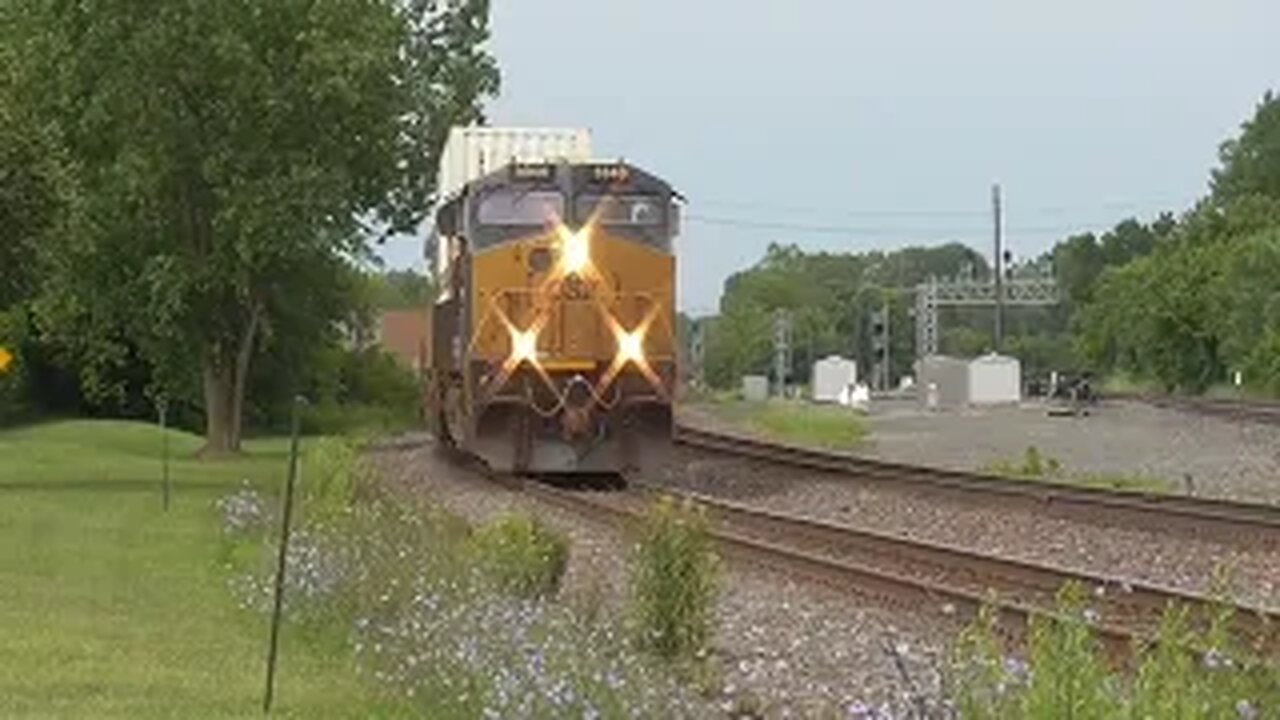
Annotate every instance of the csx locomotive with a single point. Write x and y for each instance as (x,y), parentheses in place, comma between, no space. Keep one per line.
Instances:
(553,342)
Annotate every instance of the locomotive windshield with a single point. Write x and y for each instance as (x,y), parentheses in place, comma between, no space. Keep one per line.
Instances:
(621,210)
(513,206)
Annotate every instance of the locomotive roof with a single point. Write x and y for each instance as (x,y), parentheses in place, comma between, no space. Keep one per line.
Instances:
(637,177)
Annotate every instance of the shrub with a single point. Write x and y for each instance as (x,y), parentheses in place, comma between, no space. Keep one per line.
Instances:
(1183,673)
(331,475)
(519,555)
(983,681)
(674,575)
(1070,677)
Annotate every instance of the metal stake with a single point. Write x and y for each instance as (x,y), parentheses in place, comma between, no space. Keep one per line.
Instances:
(163,404)
(284,549)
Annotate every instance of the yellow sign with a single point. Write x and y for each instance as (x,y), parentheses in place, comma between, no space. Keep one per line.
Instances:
(6,359)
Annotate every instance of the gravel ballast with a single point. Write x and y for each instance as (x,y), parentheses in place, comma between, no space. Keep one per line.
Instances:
(1226,458)
(965,521)
(790,648)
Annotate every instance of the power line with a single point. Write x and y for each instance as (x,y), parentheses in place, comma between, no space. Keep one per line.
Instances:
(1112,206)
(870,230)
(839,212)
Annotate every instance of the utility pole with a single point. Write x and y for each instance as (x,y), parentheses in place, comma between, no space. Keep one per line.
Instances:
(880,343)
(697,351)
(998,263)
(885,370)
(781,349)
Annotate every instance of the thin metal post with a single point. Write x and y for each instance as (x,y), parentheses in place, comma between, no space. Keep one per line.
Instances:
(998,265)
(781,349)
(164,451)
(886,353)
(286,516)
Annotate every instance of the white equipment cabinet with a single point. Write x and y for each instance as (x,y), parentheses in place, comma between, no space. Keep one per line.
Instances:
(833,379)
(995,380)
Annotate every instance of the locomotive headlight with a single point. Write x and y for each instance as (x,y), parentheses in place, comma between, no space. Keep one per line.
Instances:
(524,345)
(631,346)
(575,249)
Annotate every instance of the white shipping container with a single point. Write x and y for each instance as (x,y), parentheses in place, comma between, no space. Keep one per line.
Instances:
(995,380)
(833,376)
(473,152)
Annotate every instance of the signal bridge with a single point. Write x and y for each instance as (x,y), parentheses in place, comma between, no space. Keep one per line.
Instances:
(931,295)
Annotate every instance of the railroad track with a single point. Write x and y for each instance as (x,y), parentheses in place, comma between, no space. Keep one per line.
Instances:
(1253,410)
(911,575)
(1244,524)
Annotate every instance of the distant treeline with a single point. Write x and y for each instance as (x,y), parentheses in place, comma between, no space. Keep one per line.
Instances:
(1182,302)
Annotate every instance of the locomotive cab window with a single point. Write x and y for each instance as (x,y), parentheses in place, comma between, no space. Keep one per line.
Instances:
(621,210)
(511,206)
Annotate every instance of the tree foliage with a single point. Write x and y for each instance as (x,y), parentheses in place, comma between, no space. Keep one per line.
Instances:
(1251,162)
(400,289)
(230,157)
(830,297)
(1206,303)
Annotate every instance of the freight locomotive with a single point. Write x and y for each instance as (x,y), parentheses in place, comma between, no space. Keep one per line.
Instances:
(553,341)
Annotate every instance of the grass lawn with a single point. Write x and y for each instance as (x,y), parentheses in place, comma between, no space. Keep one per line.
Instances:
(802,423)
(112,608)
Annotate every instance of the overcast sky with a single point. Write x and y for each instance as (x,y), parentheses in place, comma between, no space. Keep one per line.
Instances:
(883,124)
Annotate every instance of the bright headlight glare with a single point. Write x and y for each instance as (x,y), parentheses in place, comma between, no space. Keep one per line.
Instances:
(524,345)
(576,250)
(631,346)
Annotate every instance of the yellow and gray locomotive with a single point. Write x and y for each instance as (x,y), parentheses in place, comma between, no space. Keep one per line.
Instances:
(553,342)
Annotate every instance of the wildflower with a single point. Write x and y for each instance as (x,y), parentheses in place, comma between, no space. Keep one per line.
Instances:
(1213,659)
(1016,669)
(1246,710)
(1090,615)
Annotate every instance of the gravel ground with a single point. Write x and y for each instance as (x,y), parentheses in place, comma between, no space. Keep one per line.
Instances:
(793,649)
(1225,458)
(962,520)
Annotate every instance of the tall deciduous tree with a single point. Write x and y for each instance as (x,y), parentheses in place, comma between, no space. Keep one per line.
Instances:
(231,155)
(1251,162)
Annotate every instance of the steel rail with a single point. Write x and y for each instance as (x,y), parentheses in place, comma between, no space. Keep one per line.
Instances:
(1261,411)
(906,574)
(1248,524)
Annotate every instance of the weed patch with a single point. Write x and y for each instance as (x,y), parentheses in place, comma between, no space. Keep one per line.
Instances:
(1034,466)
(458,622)
(796,422)
(1181,674)
(674,577)
(519,555)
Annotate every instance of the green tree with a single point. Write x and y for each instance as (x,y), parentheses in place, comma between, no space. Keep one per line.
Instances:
(1251,162)
(400,289)
(230,155)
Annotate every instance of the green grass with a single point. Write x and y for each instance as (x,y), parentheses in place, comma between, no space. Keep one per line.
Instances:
(1036,467)
(112,608)
(796,422)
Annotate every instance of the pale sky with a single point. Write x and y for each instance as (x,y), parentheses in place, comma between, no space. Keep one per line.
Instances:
(850,125)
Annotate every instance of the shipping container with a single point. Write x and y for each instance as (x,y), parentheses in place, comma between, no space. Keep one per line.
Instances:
(833,378)
(473,152)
